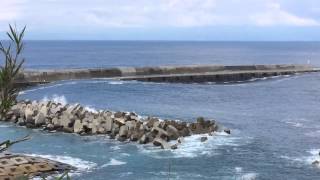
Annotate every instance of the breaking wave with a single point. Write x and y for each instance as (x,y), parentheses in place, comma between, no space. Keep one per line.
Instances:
(192,147)
(241,175)
(81,165)
(56,98)
(114,162)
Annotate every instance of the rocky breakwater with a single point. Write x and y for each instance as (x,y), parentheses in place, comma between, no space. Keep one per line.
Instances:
(122,126)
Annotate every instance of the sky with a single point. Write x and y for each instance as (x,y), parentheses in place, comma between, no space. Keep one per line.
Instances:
(203,20)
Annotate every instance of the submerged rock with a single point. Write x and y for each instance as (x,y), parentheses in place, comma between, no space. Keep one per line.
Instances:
(203,139)
(122,126)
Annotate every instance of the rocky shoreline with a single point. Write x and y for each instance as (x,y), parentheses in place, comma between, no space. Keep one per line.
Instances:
(122,126)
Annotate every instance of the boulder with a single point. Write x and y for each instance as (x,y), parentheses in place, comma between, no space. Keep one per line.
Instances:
(40,119)
(77,127)
(21,122)
(316,163)
(172,132)
(150,122)
(228,131)
(119,114)
(123,132)
(160,142)
(49,127)
(115,129)
(136,135)
(185,132)
(203,139)
(108,124)
(175,146)
(160,132)
(146,138)
(28,114)
(120,121)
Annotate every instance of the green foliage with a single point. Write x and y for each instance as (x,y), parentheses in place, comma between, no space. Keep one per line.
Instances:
(10,68)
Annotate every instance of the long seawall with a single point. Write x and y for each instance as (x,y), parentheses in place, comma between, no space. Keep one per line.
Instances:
(180,74)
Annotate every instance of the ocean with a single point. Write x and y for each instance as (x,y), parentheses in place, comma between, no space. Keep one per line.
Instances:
(274,122)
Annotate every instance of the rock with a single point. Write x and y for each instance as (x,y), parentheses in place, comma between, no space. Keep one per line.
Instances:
(150,122)
(160,142)
(39,120)
(160,132)
(316,163)
(184,132)
(77,127)
(56,121)
(50,127)
(21,122)
(123,132)
(119,114)
(228,131)
(120,121)
(136,135)
(203,139)
(146,138)
(172,132)
(121,138)
(115,129)
(175,146)
(67,121)
(180,140)
(28,114)
(108,124)
(143,139)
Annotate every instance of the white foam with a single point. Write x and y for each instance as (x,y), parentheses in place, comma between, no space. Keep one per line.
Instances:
(39,88)
(115,82)
(114,162)
(192,146)
(90,109)
(249,176)
(306,160)
(56,98)
(4,126)
(294,124)
(240,175)
(80,164)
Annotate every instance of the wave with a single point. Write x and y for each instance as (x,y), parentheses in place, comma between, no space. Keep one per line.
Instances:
(113,162)
(90,109)
(306,160)
(81,165)
(56,98)
(5,126)
(192,147)
(41,87)
(116,82)
(240,175)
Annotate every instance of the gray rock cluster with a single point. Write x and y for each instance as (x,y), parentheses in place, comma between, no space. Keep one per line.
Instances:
(122,126)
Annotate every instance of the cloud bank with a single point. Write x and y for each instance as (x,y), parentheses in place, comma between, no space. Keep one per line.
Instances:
(97,15)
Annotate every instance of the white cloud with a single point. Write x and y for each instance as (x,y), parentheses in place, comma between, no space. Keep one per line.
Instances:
(82,15)
(174,13)
(275,15)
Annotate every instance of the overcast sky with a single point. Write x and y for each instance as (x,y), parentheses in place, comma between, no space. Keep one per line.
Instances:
(164,19)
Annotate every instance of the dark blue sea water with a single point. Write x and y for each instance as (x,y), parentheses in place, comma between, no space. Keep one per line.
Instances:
(275,122)
(84,54)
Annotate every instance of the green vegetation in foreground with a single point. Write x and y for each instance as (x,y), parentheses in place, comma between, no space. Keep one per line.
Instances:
(10,68)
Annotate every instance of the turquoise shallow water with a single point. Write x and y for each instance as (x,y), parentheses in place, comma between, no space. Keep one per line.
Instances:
(275,126)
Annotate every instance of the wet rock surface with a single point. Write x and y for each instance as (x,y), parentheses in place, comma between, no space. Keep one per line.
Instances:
(122,126)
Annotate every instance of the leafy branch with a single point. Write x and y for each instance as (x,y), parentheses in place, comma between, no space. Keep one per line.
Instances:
(10,68)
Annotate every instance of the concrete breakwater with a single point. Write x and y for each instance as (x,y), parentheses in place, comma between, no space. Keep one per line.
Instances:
(184,74)
(17,166)
(122,126)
